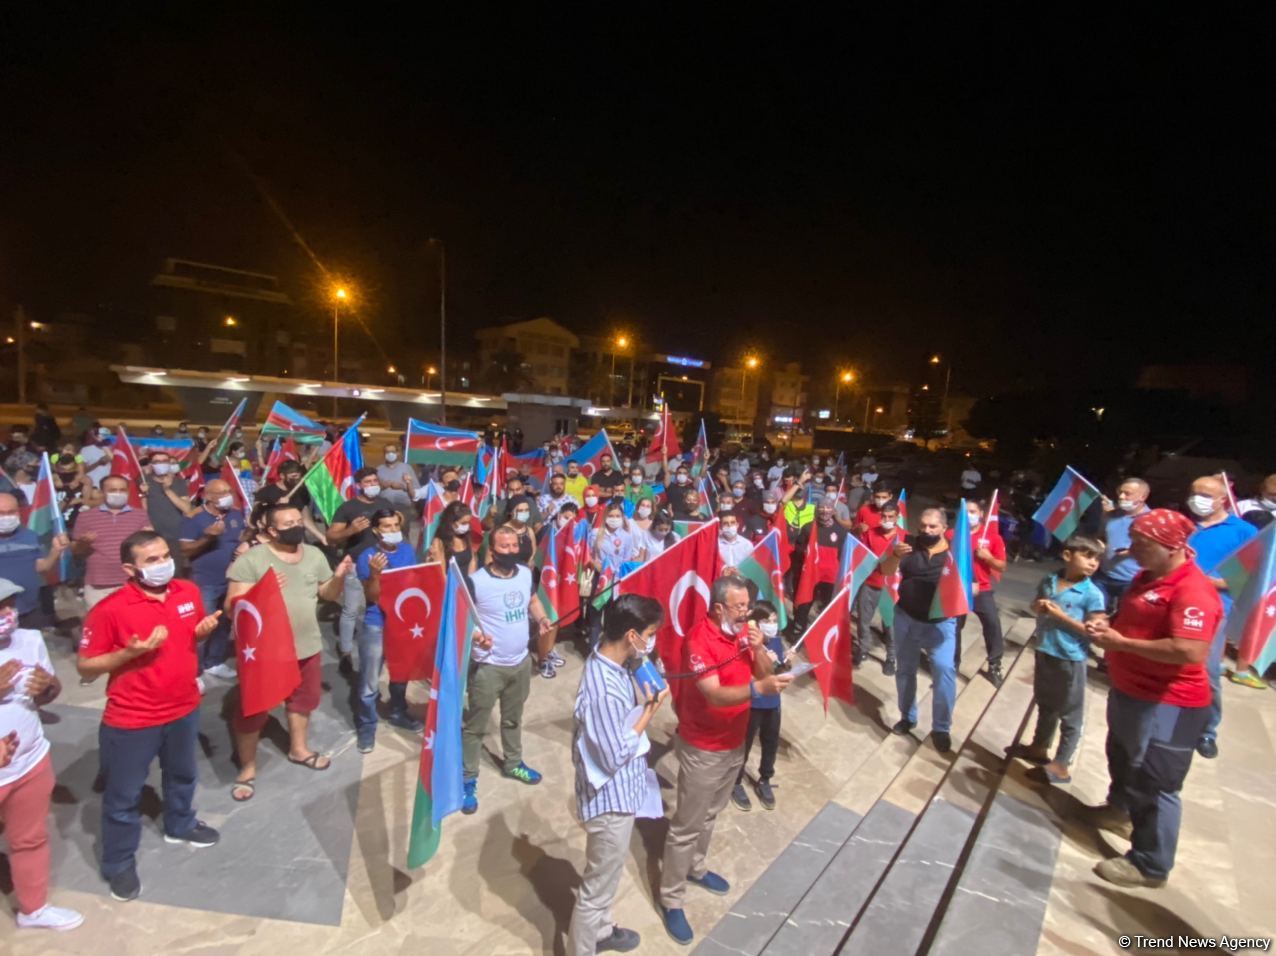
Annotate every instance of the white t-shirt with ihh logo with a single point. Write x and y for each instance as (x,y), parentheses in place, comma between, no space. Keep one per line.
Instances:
(18,712)
(502,606)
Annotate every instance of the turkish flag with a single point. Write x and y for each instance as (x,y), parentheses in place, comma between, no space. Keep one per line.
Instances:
(231,477)
(268,671)
(124,464)
(828,645)
(412,602)
(810,568)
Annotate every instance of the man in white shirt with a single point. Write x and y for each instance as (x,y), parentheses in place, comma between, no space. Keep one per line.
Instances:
(733,547)
(502,667)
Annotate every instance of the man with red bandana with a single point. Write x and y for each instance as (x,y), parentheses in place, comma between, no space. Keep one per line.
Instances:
(1160,699)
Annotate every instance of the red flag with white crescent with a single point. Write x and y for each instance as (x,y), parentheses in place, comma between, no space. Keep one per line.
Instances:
(124,464)
(264,646)
(412,602)
(828,645)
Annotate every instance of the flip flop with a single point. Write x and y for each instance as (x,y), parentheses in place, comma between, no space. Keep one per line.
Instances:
(312,762)
(249,785)
(1055,778)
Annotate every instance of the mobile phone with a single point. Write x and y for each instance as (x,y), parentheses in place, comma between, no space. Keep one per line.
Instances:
(647,676)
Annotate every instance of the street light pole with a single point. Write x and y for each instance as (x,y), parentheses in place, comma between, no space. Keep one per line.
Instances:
(442,329)
(337,297)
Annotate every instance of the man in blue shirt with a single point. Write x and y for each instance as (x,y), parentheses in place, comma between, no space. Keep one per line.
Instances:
(209,538)
(389,553)
(22,563)
(1217,535)
(1117,569)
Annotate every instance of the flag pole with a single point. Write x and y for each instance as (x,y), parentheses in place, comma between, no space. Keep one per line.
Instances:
(992,506)
(357,422)
(216,443)
(1231,498)
(1089,484)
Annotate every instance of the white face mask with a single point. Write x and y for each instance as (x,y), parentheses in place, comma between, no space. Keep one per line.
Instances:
(769,507)
(648,645)
(888,525)
(757,482)
(117,499)
(565,520)
(635,479)
(738,491)
(1201,505)
(644,511)
(591,500)
(392,537)
(372,491)
(391,457)
(463,528)
(522,515)
(614,523)
(161,468)
(1127,504)
(682,479)
(225,502)
(769,628)
(731,627)
(9,523)
(729,531)
(158,575)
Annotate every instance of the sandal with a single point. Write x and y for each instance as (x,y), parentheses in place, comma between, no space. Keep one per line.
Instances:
(249,785)
(311,762)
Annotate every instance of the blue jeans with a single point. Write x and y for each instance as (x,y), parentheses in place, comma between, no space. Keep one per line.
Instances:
(216,647)
(1214,667)
(939,640)
(371,657)
(353,605)
(1149,750)
(126,757)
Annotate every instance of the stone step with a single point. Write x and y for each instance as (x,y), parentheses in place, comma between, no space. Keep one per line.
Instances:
(889,793)
(761,910)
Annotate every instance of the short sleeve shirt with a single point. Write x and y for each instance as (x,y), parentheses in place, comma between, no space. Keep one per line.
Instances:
(102,567)
(702,725)
(18,713)
(209,568)
(1215,543)
(919,577)
(301,586)
(1182,603)
(985,576)
(18,554)
(400,557)
(401,473)
(502,608)
(346,512)
(609,481)
(1078,602)
(165,518)
(159,686)
(879,542)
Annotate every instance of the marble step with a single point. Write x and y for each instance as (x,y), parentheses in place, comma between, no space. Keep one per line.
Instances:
(762,909)
(890,793)
(910,899)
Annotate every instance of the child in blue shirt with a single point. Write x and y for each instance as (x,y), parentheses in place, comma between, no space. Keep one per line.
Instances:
(1065,601)
(764,717)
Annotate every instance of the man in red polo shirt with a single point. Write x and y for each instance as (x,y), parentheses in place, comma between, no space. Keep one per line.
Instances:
(870,513)
(879,540)
(989,551)
(144,635)
(1160,697)
(726,650)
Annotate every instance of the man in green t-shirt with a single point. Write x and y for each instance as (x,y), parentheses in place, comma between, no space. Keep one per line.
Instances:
(305,580)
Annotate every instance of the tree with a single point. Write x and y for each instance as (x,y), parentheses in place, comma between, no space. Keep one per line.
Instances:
(714,430)
(505,371)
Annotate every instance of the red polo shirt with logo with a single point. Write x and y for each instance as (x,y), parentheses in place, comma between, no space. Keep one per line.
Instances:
(1182,603)
(700,723)
(159,686)
(879,542)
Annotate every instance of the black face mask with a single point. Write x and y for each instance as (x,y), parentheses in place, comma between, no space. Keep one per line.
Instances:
(453,485)
(291,536)
(505,561)
(928,540)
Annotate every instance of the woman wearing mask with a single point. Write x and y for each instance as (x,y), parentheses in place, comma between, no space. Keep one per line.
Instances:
(660,536)
(452,540)
(644,511)
(593,506)
(521,522)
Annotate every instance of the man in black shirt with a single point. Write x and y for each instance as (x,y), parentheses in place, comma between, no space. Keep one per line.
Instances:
(351,530)
(607,478)
(289,480)
(922,559)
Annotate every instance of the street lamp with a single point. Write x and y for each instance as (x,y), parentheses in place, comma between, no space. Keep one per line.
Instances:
(338,297)
(442,328)
(751,362)
(844,379)
(948,377)
(620,341)
(430,372)
(230,322)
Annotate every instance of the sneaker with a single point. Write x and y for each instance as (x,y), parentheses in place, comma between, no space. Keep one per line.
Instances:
(199,836)
(523,774)
(345,666)
(547,669)
(740,798)
(126,886)
(766,796)
(1108,817)
(677,927)
(1122,872)
(469,801)
(1207,747)
(222,671)
(50,917)
(367,741)
(1247,679)
(995,675)
(888,667)
(405,721)
(712,882)
(621,940)
(857,658)
(942,741)
(903,727)
(558,661)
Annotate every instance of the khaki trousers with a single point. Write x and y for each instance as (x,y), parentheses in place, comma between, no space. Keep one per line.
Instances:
(705,780)
(606,849)
(93,595)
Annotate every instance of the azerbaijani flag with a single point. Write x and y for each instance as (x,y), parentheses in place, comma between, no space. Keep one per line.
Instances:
(331,480)
(684,528)
(439,788)
(282,420)
(431,512)
(547,560)
(1061,512)
(279,454)
(954,594)
(857,562)
(589,455)
(708,497)
(228,430)
(1250,573)
(762,567)
(45,518)
(429,444)
(903,510)
(699,453)
(533,464)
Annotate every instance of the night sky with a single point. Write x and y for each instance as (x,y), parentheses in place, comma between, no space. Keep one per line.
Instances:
(1048,201)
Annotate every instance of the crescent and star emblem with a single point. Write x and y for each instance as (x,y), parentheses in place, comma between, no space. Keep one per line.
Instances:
(690,581)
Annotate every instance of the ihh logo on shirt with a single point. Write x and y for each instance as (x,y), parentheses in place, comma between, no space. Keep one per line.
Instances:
(186,609)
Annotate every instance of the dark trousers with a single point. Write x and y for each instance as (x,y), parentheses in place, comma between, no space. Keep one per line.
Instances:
(126,757)
(821,594)
(763,722)
(866,603)
(986,610)
(216,647)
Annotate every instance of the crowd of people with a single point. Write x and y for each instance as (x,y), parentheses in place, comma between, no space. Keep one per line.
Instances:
(158,583)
